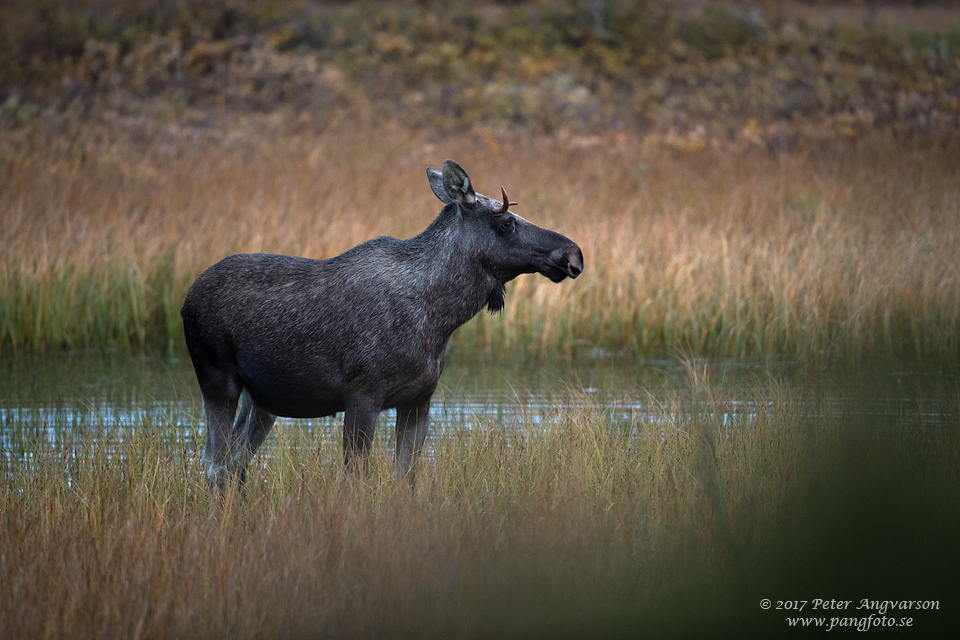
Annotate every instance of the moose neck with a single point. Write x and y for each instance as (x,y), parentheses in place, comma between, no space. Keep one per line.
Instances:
(450,276)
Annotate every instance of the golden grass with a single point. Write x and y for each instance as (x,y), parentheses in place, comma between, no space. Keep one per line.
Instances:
(837,253)
(682,516)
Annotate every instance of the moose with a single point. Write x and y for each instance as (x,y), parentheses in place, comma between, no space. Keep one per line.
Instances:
(358,333)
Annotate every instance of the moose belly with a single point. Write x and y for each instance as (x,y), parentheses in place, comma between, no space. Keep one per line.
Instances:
(291,400)
(318,391)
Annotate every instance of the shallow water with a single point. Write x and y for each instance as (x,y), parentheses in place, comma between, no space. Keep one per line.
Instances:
(106,397)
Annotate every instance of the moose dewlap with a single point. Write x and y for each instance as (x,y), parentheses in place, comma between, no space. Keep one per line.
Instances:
(365,331)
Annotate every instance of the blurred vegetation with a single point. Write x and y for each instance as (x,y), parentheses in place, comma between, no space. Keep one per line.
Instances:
(747,171)
(718,74)
(672,520)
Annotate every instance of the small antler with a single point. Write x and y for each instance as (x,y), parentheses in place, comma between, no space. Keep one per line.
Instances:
(506,204)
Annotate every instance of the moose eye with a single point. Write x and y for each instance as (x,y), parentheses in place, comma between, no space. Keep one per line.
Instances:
(507,225)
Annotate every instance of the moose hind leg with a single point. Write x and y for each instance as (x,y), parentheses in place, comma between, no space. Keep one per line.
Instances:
(220,408)
(251,428)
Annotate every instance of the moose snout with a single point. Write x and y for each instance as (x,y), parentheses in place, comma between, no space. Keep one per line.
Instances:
(574,259)
(564,262)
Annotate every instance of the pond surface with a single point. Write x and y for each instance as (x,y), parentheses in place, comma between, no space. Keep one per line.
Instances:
(56,398)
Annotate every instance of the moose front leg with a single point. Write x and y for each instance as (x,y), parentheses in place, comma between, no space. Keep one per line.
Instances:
(359,423)
(413,420)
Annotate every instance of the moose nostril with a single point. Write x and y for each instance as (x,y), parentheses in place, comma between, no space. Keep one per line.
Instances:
(574,268)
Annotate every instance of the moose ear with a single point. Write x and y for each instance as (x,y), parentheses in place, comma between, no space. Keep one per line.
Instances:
(456,184)
(436,183)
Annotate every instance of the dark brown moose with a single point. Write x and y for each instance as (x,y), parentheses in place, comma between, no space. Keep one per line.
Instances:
(359,333)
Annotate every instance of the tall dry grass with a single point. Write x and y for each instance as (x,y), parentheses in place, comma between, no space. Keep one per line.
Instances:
(677,520)
(836,253)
